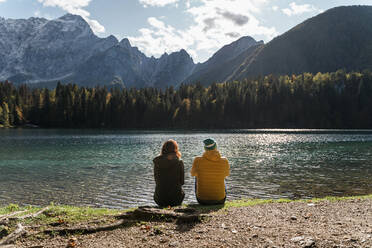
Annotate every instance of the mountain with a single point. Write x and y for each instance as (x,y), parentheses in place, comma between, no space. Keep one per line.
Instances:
(223,63)
(42,51)
(172,69)
(37,50)
(340,38)
(126,65)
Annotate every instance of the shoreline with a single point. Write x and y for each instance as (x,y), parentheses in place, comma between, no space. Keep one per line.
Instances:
(283,222)
(11,208)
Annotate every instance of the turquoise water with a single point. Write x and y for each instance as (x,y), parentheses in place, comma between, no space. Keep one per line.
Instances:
(114,168)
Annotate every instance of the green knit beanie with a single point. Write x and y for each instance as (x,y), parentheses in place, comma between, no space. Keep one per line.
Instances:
(209,144)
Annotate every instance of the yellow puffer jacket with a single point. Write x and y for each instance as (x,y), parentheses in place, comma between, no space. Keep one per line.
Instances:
(210,171)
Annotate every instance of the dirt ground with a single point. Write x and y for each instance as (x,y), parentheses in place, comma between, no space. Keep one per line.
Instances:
(297,224)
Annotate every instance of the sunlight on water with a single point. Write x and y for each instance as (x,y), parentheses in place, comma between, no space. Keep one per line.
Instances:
(114,168)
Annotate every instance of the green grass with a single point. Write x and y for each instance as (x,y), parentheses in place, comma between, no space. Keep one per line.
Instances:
(70,214)
(63,214)
(252,202)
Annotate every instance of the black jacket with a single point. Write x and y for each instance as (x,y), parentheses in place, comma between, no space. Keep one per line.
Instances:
(169,177)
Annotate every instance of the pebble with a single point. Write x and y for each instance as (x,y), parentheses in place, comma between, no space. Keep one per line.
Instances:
(293,218)
(162,240)
(173,244)
(297,239)
(255,236)
(234,231)
(308,243)
(311,204)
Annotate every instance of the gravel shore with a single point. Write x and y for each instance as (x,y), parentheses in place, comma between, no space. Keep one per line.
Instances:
(346,223)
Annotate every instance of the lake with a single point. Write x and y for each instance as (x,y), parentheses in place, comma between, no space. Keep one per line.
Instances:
(111,168)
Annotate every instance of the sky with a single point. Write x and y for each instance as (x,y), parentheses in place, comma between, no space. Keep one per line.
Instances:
(201,27)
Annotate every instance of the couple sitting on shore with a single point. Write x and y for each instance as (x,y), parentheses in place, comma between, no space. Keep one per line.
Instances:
(209,170)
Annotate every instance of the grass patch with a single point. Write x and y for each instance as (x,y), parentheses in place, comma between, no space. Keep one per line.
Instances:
(62,214)
(70,214)
(344,198)
(253,202)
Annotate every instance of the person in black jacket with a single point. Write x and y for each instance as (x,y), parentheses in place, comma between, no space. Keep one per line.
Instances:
(169,176)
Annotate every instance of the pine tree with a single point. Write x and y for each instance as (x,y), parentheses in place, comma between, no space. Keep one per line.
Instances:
(4,117)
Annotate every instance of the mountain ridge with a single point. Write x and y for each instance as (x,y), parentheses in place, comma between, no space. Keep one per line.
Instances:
(339,38)
(37,50)
(222,63)
(46,51)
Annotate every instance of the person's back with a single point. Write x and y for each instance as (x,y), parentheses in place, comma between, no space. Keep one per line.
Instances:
(169,178)
(210,171)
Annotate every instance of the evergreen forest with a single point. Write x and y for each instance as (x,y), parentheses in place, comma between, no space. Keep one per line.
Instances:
(324,100)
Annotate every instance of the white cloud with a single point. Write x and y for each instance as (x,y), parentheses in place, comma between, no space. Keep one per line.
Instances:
(215,23)
(2,1)
(295,9)
(76,7)
(160,38)
(275,8)
(157,3)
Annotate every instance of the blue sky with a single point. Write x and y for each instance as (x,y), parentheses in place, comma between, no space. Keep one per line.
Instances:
(201,27)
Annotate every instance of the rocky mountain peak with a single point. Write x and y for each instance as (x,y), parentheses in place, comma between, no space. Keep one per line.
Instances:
(72,17)
(125,43)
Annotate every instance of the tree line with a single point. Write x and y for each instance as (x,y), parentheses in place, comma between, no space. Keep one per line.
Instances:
(323,100)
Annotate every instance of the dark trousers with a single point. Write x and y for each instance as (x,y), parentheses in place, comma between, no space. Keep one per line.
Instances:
(209,202)
(172,201)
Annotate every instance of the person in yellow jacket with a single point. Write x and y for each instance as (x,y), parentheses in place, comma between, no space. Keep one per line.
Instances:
(210,171)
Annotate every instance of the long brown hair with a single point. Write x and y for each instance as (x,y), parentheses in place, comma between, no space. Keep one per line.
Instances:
(170,146)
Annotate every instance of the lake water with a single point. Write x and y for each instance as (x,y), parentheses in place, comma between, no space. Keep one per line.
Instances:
(114,168)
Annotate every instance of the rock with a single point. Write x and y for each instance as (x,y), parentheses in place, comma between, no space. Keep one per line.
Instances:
(223,226)
(297,239)
(234,231)
(311,204)
(308,243)
(173,244)
(353,239)
(163,240)
(293,218)
(255,236)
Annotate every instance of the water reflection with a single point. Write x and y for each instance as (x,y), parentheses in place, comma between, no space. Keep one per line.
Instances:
(114,168)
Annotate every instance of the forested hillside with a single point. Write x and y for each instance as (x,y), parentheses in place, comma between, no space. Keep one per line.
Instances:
(339,38)
(328,100)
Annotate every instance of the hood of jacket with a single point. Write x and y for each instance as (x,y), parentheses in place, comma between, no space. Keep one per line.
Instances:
(213,155)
